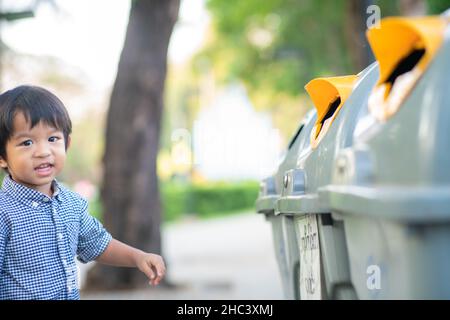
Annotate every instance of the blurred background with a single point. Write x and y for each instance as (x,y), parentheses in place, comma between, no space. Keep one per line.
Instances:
(179,109)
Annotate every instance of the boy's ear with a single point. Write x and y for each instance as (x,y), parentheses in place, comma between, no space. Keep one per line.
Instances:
(3,163)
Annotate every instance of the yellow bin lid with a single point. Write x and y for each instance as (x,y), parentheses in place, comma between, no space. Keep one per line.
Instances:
(324,92)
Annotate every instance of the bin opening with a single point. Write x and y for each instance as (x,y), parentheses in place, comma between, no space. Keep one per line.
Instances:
(405,65)
(403,47)
(328,96)
(295,136)
(331,110)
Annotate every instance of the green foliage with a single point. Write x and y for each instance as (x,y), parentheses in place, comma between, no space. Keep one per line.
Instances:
(275,47)
(388,7)
(174,201)
(220,198)
(437,6)
(207,200)
(84,154)
(278,45)
(95,208)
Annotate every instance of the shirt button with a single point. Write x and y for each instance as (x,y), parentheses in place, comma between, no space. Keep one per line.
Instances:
(46,199)
(64,262)
(34,204)
(60,236)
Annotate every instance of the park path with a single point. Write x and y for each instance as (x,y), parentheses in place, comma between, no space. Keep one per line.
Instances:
(222,258)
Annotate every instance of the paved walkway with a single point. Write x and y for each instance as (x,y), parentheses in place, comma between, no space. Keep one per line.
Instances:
(223,258)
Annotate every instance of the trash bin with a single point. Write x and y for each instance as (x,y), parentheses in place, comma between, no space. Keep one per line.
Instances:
(324,269)
(290,199)
(391,185)
(283,229)
(366,186)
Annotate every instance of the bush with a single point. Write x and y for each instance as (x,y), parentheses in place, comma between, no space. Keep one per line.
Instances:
(174,198)
(199,200)
(95,208)
(207,200)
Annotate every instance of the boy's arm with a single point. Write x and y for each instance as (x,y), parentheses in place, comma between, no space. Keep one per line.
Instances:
(95,242)
(121,255)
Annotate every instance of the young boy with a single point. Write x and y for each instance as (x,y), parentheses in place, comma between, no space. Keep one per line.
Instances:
(43,225)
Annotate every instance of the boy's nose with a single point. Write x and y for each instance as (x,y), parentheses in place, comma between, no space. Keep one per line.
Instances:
(42,150)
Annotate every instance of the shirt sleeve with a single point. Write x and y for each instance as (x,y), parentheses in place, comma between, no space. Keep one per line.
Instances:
(93,237)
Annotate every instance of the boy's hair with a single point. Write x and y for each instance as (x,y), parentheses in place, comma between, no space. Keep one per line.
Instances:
(36,104)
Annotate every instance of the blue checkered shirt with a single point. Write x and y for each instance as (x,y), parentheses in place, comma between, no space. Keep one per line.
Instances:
(40,238)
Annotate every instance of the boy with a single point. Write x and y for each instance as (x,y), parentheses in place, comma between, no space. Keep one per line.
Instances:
(43,225)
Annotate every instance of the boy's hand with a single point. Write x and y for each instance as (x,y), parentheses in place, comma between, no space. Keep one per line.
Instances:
(153,266)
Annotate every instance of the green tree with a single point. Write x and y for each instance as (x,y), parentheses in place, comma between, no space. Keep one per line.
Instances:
(437,6)
(276,46)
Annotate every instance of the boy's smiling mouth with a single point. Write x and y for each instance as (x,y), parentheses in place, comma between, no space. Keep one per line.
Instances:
(44,169)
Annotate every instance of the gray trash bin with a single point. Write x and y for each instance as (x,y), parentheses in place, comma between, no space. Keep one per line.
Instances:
(324,269)
(391,186)
(283,228)
(290,198)
(367,201)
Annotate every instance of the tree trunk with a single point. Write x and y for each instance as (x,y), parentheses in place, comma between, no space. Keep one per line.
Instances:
(130,194)
(356,26)
(412,7)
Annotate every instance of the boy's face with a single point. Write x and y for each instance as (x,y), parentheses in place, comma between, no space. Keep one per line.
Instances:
(35,155)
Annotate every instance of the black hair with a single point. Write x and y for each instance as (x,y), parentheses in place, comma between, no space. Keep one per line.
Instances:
(36,104)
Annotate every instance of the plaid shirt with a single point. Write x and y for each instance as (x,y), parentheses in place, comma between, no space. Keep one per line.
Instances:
(39,239)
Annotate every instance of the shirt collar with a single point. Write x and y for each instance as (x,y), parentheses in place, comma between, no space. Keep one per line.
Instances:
(27,195)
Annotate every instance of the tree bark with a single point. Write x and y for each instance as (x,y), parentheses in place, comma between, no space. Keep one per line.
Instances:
(412,7)
(356,26)
(129,193)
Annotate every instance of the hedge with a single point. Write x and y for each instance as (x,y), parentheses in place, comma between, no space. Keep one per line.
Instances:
(207,200)
(199,200)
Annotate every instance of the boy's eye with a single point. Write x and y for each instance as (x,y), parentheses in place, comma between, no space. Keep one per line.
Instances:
(27,143)
(53,139)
